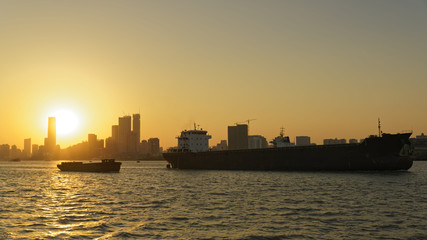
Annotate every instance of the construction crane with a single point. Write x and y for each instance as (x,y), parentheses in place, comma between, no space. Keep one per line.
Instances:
(246,121)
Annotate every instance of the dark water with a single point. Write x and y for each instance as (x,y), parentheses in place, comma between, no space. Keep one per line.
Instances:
(147,201)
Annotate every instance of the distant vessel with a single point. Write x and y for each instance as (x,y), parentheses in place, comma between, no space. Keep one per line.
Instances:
(383,152)
(106,165)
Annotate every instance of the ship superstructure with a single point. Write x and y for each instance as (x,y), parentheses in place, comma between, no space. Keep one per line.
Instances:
(281,140)
(195,140)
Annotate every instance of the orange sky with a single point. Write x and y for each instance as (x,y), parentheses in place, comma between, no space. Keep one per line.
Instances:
(324,69)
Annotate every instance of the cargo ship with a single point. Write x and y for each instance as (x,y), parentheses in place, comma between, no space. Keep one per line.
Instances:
(376,152)
(106,165)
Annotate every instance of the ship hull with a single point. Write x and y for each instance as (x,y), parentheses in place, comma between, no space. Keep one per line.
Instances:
(373,154)
(89,167)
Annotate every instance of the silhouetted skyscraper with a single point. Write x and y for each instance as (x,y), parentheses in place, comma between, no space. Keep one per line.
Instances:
(4,151)
(136,131)
(51,132)
(50,141)
(125,134)
(34,150)
(27,147)
(238,137)
(115,133)
(154,145)
(144,147)
(92,144)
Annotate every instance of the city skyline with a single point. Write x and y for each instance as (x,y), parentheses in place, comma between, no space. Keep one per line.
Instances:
(324,69)
(124,142)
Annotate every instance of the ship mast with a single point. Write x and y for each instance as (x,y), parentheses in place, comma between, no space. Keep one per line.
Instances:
(379,127)
(282,131)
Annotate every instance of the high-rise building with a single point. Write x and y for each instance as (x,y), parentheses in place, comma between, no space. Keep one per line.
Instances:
(302,141)
(154,145)
(137,128)
(50,141)
(51,132)
(92,144)
(134,138)
(238,137)
(4,151)
(144,147)
(27,147)
(124,134)
(34,150)
(112,142)
(115,133)
(15,152)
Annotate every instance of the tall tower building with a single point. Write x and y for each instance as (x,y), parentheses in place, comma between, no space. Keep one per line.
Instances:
(238,137)
(92,144)
(34,150)
(136,133)
(27,147)
(113,141)
(154,145)
(115,133)
(124,134)
(137,126)
(50,142)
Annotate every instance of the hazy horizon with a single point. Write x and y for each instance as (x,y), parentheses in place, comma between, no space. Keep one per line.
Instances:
(324,69)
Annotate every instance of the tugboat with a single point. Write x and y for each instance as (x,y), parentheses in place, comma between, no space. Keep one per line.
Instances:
(106,165)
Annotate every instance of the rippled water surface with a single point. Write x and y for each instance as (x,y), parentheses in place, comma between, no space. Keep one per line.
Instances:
(147,201)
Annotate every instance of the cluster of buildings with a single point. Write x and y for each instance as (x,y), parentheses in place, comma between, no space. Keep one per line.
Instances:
(50,150)
(339,141)
(124,142)
(239,138)
(419,144)
(126,138)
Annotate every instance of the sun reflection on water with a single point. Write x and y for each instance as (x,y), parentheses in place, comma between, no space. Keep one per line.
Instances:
(61,207)
(37,201)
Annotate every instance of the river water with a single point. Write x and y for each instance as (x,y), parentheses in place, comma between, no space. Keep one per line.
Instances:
(147,201)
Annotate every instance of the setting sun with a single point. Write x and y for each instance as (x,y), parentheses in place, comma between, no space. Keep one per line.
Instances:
(66,122)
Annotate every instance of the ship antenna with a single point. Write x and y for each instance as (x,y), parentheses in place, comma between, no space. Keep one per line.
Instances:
(379,127)
(282,129)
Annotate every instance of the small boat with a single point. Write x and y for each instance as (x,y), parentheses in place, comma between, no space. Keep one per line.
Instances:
(106,165)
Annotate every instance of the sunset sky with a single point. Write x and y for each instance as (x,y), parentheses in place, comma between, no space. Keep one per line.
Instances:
(319,68)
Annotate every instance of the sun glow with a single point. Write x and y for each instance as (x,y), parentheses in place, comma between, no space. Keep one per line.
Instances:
(66,122)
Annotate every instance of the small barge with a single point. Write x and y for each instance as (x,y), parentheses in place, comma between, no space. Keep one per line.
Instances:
(106,165)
